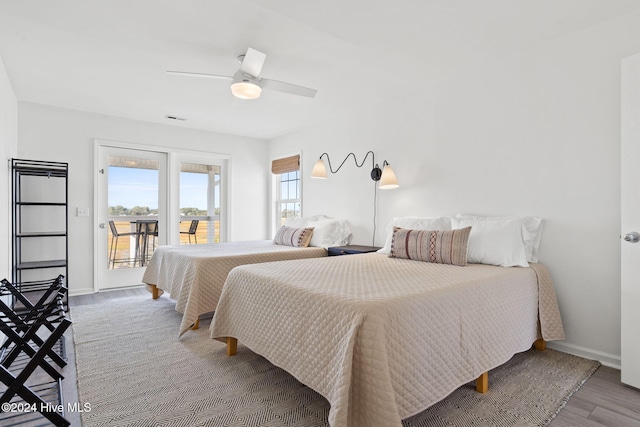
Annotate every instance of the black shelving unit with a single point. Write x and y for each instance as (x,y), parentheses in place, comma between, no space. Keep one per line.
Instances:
(40,254)
(39,221)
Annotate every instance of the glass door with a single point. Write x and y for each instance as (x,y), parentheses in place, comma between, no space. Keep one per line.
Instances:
(200,192)
(131,213)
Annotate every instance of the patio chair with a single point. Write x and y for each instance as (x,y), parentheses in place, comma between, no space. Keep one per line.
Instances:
(192,230)
(115,234)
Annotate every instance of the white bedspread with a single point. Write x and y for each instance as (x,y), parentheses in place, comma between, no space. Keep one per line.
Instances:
(193,275)
(383,339)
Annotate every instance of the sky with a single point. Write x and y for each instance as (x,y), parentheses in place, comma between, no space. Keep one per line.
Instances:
(131,187)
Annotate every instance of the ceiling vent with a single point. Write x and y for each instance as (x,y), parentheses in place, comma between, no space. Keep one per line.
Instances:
(182,119)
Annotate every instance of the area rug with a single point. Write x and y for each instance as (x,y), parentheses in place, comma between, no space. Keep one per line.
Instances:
(134,371)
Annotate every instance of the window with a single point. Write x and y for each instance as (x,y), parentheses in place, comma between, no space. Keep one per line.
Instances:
(288,198)
(199,203)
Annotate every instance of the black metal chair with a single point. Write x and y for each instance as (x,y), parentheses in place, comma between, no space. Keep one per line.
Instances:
(146,229)
(192,230)
(115,234)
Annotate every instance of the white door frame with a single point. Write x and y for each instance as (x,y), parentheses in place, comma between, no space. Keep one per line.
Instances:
(174,157)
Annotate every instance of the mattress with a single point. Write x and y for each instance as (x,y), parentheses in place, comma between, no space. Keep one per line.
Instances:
(193,275)
(384,338)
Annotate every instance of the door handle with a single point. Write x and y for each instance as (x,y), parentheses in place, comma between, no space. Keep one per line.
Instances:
(102,225)
(632,237)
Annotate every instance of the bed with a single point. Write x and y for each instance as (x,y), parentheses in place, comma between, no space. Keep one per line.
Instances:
(384,338)
(193,275)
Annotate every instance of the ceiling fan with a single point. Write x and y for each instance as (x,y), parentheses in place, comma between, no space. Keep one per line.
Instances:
(246,83)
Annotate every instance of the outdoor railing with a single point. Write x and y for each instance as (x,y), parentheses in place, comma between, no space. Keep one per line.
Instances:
(125,249)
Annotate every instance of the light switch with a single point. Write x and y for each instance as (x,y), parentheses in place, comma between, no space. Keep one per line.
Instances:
(82,212)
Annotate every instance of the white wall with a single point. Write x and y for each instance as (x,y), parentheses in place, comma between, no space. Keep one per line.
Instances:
(537,133)
(56,134)
(8,147)
(8,150)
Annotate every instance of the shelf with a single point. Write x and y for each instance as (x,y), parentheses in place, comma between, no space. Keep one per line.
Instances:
(41,172)
(42,234)
(40,211)
(41,204)
(32,265)
(40,168)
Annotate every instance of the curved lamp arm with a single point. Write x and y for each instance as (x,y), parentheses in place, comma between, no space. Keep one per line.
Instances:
(320,172)
(354,159)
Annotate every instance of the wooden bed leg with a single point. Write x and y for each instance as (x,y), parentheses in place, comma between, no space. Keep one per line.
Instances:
(196,324)
(482,383)
(540,344)
(232,346)
(154,292)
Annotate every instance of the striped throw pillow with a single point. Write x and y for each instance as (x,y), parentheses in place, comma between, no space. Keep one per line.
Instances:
(437,246)
(289,236)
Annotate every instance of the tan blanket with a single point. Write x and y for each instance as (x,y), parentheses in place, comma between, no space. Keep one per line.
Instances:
(383,339)
(193,275)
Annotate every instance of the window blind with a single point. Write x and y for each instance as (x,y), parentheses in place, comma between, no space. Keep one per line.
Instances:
(198,168)
(286,164)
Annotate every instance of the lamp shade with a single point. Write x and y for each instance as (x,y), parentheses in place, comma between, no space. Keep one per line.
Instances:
(319,171)
(388,179)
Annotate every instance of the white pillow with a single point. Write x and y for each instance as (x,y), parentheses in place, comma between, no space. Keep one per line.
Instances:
(319,218)
(532,224)
(495,241)
(296,222)
(414,223)
(329,232)
(534,227)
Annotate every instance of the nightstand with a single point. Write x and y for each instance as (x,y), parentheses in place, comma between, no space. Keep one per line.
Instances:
(351,250)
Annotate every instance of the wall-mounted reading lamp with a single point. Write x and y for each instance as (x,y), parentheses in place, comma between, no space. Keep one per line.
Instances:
(386,177)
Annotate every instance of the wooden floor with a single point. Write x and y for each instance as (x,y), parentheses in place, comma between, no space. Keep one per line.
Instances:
(602,401)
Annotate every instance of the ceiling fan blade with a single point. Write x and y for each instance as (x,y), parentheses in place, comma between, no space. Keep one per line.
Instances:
(288,88)
(253,62)
(209,76)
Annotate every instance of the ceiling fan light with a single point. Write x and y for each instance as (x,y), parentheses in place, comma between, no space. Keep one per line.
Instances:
(246,90)
(245,87)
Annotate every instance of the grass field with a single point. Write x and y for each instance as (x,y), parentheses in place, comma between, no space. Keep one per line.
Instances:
(125,250)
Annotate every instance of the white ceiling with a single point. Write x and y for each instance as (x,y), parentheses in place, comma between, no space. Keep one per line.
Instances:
(110,56)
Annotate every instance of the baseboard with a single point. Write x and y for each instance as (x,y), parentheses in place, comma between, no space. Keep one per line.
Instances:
(607,359)
(88,291)
(83,291)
